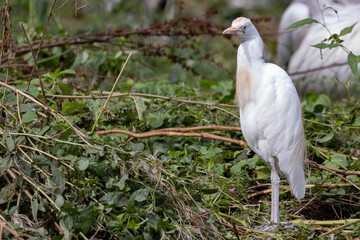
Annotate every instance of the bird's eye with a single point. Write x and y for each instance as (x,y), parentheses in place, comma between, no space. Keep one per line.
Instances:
(244,27)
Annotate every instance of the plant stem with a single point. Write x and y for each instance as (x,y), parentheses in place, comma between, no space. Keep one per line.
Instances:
(111,92)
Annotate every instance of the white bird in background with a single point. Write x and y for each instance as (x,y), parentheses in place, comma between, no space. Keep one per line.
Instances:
(270,114)
(311,70)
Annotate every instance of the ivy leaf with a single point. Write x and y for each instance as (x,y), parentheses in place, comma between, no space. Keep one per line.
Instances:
(9,142)
(68,71)
(140,107)
(34,208)
(70,107)
(28,117)
(83,164)
(58,177)
(6,163)
(7,193)
(156,120)
(353,62)
(327,138)
(301,23)
(347,30)
(139,195)
(326,45)
(65,88)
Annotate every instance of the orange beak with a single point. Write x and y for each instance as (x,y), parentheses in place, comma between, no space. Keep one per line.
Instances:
(230,31)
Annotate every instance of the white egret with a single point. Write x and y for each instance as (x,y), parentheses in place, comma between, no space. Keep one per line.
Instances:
(270,114)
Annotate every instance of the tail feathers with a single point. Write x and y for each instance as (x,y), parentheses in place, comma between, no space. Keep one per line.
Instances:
(296,179)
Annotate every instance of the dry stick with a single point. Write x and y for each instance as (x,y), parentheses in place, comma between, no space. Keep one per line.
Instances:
(12,231)
(3,23)
(47,154)
(6,8)
(35,63)
(326,222)
(330,185)
(353,221)
(199,128)
(335,153)
(111,92)
(181,133)
(177,134)
(142,95)
(343,172)
(345,179)
(38,52)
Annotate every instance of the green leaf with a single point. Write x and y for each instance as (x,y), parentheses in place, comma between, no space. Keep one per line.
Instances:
(70,107)
(262,172)
(156,120)
(137,147)
(58,177)
(140,107)
(65,88)
(95,106)
(67,223)
(9,142)
(301,23)
(59,201)
(68,71)
(83,164)
(347,30)
(34,208)
(355,165)
(139,195)
(325,45)
(327,138)
(7,193)
(353,63)
(236,168)
(123,181)
(28,117)
(341,161)
(6,163)
(208,153)
(133,225)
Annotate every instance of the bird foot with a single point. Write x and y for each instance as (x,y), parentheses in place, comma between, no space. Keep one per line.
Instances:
(271,226)
(266,227)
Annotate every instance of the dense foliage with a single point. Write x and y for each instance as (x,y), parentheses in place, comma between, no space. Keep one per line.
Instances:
(60,180)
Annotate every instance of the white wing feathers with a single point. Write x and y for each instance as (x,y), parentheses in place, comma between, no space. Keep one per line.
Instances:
(282,127)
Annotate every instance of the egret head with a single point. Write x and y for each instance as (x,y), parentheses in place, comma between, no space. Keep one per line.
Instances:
(243,29)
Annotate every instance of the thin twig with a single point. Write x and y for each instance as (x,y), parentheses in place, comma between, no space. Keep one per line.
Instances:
(5,39)
(335,153)
(119,95)
(172,134)
(322,167)
(111,92)
(199,128)
(285,187)
(38,52)
(46,154)
(347,222)
(35,66)
(53,112)
(326,222)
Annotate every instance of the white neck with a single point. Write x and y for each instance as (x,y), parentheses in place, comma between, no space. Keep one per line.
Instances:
(250,52)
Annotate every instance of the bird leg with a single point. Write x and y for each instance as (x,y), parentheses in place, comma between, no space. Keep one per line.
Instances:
(274,222)
(275,186)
